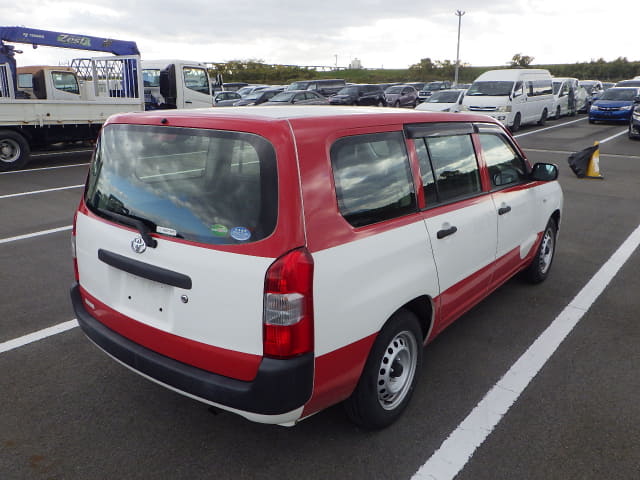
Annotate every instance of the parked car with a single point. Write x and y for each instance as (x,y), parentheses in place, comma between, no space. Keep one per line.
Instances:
(615,105)
(634,123)
(250,89)
(297,97)
(628,83)
(607,85)
(426,91)
(325,87)
(233,86)
(225,98)
(276,261)
(443,101)
(258,97)
(401,96)
(594,88)
(569,97)
(365,94)
(417,85)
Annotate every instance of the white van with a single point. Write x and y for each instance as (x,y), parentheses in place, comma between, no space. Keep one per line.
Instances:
(570,97)
(515,97)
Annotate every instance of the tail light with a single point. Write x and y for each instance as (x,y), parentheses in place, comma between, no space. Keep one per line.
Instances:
(288,306)
(73,248)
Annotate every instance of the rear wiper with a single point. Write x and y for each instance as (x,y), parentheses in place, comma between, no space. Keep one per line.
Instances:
(142,225)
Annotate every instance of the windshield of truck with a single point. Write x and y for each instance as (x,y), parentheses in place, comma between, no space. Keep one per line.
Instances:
(444,96)
(490,89)
(206,186)
(619,94)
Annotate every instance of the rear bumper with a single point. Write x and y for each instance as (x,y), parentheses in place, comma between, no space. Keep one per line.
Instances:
(279,387)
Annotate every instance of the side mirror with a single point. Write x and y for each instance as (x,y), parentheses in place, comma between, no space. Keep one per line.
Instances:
(544,172)
(636,99)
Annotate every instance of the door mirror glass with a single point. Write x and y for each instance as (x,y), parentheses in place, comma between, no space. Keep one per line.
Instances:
(544,172)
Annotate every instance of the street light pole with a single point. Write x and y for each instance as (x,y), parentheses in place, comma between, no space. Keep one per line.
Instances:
(459,13)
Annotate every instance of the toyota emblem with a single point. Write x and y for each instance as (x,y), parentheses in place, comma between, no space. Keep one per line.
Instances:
(138,245)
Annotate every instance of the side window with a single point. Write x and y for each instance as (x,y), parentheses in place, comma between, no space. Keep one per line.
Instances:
(505,165)
(196,79)
(448,167)
(65,81)
(372,176)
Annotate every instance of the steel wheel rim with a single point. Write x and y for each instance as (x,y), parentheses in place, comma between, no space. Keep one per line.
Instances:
(546,250)
(9,150)
(397,369)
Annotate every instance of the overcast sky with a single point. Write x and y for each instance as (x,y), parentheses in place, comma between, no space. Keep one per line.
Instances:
(387,34)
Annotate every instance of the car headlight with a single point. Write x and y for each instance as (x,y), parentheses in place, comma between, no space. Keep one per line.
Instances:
(504,108)
(464,108)
(626,107)
(594,108)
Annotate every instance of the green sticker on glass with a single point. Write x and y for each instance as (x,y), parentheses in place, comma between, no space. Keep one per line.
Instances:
(219,230)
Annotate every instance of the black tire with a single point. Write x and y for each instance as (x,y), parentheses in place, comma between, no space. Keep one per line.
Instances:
(14,150)
(389,375)
(397,104)
(543,117)
(592,121)
(516,123)
(539,268)
(381,103)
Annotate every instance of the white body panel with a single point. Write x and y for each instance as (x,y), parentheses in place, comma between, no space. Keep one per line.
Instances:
(471,248)
(225,303)
(357,286)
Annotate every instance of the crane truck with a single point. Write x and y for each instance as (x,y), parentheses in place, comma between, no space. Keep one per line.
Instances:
(40,106)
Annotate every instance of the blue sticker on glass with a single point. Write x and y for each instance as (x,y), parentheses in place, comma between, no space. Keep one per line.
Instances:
(240,233)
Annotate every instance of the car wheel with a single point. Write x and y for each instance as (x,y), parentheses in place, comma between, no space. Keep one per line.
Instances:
(397,104)
(539,267)
(380,103)
(543,117)
(389,375)
(14,150)
(592,120)
(516,123)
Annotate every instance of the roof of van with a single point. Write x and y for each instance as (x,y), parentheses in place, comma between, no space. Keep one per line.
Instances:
(512,73)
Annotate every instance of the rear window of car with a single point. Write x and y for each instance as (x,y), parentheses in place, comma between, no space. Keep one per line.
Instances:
(206,186)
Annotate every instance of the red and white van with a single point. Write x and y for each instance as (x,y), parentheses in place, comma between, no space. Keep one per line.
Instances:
(274,261)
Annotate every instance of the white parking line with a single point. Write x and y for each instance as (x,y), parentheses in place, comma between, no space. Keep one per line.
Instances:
(549,128)
(613,136)
(29,170)
(457,449)
(39,335)
(35,234)
(35,192)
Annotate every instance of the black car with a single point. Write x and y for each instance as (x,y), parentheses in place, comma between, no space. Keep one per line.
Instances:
(359,95)
(261,96)
(634,123)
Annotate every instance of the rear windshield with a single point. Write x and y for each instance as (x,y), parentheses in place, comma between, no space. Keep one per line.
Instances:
(207,186)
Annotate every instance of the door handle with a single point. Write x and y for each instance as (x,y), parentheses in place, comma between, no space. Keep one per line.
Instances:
(446,232)
(188,101)
(503,210)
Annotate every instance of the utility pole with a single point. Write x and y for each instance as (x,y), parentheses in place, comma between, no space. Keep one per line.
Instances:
(459,13)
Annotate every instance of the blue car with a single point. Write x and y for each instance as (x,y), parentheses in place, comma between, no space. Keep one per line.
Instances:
(615,105)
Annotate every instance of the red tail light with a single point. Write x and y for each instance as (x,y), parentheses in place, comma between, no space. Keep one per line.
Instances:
(73,248)
(288,306)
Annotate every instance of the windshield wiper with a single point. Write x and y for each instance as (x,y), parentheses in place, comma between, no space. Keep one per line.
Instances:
(144,226)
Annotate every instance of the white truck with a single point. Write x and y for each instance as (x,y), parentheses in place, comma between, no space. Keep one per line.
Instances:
(176,84)
(43,105)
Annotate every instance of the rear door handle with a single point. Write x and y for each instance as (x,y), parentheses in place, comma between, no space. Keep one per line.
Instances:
(446,232)
(503,210)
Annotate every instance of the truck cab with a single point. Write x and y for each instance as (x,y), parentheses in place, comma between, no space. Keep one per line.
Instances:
(48,83)
(172,84)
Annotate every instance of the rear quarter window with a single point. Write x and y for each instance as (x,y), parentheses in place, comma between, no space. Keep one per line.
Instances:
(372,178)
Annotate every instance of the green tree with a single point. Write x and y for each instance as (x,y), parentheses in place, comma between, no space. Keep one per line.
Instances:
(519,60)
